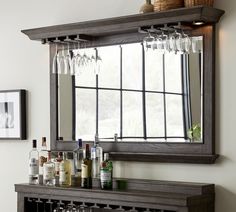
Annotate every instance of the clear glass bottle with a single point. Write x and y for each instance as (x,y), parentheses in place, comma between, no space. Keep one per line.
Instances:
(34,164)
(49,172)
(78,157)
(97,157)
(106,173)
(57,162)
(43,154)
(65,171)
(86,168)
(70,157)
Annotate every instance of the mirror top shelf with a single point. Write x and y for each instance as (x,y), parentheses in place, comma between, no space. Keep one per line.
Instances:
(91,30)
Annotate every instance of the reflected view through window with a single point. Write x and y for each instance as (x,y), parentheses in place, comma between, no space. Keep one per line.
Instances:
(140,95)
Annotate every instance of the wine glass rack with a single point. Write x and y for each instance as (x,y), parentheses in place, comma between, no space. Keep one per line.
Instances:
(51,205)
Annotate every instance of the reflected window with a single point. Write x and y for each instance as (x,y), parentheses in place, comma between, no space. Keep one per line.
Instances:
(139,95)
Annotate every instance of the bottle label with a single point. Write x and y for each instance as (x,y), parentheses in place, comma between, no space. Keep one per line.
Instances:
(93,153)
(84,171)
(48,172)
(57,164)
(42,160)
(63,174)
(33,166)
(105,176)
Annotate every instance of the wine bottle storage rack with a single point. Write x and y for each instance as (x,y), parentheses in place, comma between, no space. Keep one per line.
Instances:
(50,205)
(138,196)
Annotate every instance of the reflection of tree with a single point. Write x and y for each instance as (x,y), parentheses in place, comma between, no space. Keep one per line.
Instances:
(194,133)
(6,121)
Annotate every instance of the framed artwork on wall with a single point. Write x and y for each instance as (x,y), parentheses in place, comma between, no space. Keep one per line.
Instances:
(13,115)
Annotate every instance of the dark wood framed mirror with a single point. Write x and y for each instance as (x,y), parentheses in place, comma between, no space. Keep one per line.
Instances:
(122,31)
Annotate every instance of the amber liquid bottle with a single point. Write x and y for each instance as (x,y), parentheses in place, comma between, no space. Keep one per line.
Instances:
(86,168)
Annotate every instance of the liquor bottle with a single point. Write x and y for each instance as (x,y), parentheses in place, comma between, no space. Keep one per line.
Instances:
(42,159)
(78,157)
(70,158)
(57,160)
(65,171)
(34,164)
(97,158)
(49,172)
(86,168)
(106,173)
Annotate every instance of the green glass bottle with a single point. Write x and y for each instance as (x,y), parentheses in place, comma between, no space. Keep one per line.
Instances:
(106,173)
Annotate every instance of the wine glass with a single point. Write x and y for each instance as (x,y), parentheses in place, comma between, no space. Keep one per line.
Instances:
(175,41)
(163,43)
(186,42)
(149,41)
(67,59)
(60,207)
(70,208)
(56,66)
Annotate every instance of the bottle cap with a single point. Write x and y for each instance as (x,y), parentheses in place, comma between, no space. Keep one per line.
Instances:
(43,141)
(34,143)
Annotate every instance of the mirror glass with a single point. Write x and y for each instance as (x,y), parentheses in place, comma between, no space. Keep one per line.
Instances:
(138,94)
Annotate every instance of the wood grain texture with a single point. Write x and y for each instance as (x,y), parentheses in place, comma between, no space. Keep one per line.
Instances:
(126,24)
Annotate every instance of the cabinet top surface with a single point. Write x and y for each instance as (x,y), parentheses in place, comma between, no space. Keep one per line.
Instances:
(171,193)
(127,24)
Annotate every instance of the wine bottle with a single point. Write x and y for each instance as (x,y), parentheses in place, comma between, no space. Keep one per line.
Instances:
(49,172)
(97,157)
(78,157)
(106,173)
(43,154)
(34,164)
(86,168)
(65,171)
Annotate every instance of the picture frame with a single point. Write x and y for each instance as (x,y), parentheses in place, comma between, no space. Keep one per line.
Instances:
(13,115)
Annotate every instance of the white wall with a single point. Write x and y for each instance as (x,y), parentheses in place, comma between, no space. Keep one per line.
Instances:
(24,64)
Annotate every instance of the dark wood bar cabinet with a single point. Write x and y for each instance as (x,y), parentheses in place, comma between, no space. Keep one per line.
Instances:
(139,196)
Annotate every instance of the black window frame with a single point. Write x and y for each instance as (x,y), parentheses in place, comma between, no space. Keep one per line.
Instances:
(184,95)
